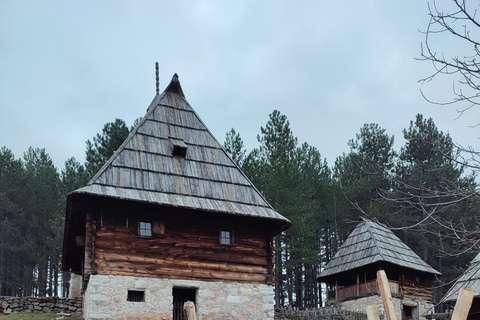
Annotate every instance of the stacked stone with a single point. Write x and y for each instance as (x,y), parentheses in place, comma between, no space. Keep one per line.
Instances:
(41,305)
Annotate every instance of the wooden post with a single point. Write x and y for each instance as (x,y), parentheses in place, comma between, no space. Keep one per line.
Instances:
(372,312)
(336,289)
(463,305)
(357,289)
(386,295)
(189,311)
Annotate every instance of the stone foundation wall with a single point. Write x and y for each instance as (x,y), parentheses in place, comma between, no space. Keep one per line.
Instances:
(422,307)
(41,305)
(106,298)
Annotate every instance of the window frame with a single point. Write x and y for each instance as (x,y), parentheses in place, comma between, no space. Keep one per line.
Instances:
(142,231)
(135,295)
(157,228)
(230,237)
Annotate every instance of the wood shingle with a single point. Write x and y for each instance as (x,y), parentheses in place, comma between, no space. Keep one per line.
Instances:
(368,243)
(469,279)
(146,168)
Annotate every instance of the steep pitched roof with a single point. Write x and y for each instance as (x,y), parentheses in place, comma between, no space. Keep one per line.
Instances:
(368,243)
(146,169)
(469,279)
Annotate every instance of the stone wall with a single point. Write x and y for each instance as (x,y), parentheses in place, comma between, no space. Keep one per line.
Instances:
(41,305)
(106,298)
(324,313)
(421,307)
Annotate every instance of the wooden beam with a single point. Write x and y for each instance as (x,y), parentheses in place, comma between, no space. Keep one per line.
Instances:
(357,289)
(463,305)
(386,295)
(336,289)
(372,312)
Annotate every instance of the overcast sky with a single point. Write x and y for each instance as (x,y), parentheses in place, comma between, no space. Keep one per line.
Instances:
(69,67)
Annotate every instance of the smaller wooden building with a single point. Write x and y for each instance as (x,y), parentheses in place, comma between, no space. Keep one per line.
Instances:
(469,279)
(351,274)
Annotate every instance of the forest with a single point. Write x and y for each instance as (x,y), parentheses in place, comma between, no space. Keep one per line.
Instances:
(426,191)
(422,191)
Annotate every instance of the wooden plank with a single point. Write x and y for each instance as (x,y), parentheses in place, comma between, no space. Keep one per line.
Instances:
(153,270)
(135,260)
(463,305)
(88,258)
(386,295)
(372,312)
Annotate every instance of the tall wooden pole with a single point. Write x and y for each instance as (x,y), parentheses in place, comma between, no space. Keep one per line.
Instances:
(189,311)
(386,295)
(372,312)
(463,305)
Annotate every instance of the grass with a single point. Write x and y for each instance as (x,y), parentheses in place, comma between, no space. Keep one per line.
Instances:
(36,316)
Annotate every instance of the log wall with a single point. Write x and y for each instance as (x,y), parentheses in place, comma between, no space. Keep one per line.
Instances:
(189,249)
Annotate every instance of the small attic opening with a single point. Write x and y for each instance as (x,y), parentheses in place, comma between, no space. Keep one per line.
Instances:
(179,148)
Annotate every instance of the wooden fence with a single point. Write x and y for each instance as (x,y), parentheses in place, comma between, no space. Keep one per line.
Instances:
(361,289)
(326,313)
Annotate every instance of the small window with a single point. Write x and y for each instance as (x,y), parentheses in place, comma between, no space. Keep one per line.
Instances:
(145,229)
(179,148)
(136,296)
(226,237)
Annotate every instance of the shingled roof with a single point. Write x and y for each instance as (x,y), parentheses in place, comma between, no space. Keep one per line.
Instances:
(171,158)
(369,243)
(469,279)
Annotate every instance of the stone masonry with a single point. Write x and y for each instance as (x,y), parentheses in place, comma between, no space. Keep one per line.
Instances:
(106,298)
(41,305)
(421,307)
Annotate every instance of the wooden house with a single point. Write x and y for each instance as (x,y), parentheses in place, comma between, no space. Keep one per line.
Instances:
(351,274)
(170,218)
(469,279)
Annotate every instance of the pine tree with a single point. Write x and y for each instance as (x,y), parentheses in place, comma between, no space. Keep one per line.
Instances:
(427,176)
(104,145)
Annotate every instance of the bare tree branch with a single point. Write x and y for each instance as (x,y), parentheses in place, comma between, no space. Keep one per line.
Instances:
(459,23)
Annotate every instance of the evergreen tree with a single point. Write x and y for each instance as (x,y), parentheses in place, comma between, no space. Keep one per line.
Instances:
(296,182)
(276,179)
(233,145)
(12,239)
(73,176)
(426,175)
(44,210)
(365,171)
(31,220)
(104,145)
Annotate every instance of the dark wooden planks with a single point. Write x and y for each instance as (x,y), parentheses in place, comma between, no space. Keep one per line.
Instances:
(190,248)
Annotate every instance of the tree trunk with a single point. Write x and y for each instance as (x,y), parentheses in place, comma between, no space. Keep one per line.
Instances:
(42,281)
(298,287)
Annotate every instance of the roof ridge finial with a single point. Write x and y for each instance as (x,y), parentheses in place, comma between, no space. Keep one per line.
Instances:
(157,79)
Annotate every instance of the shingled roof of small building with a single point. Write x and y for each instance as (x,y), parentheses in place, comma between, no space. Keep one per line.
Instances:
(171,158)
(469,279)
(369,243)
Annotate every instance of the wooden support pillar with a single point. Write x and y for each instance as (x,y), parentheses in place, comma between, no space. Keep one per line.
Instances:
(463,305)
(336,290)
(386,295)
(357,290)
